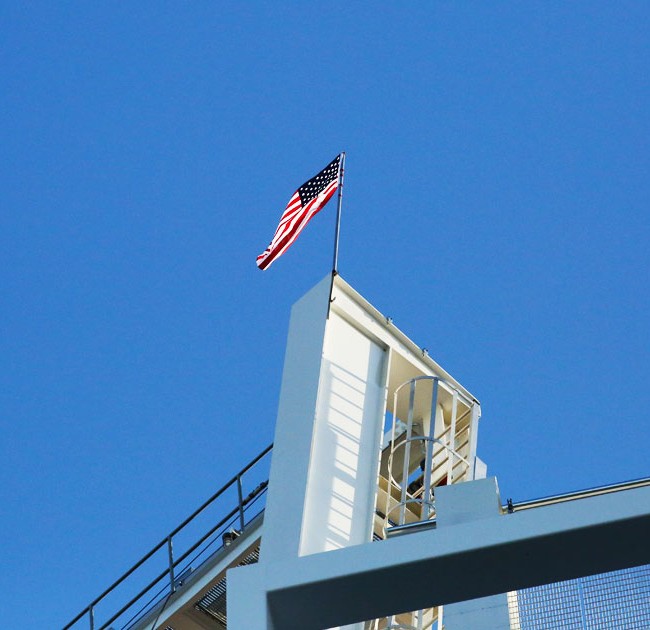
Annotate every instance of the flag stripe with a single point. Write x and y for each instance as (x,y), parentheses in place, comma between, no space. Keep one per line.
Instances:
(285,238)
(289,236)
(305,203)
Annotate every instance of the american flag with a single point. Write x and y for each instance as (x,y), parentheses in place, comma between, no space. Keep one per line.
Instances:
(304,204)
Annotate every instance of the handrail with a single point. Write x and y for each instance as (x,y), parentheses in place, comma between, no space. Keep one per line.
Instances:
(222,490)
(511,507)
(166,541)
(193,548)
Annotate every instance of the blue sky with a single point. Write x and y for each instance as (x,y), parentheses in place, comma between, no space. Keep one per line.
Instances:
(496,207)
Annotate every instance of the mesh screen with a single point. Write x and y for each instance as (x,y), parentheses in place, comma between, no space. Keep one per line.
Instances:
(619,600)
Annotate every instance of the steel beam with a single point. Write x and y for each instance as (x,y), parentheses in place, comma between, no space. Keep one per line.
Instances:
(460,562)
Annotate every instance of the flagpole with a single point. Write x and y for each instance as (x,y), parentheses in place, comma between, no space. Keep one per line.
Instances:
(338,215)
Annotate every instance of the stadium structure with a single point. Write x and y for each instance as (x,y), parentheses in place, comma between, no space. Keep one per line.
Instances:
(372,511)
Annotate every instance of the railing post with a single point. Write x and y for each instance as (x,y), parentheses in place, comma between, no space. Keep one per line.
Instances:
(452,439)
(241,504)
(170,550)
(89,610)
(428,463)
(407,454)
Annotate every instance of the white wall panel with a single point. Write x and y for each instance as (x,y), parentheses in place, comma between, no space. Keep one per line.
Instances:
(294,427)
(341,486)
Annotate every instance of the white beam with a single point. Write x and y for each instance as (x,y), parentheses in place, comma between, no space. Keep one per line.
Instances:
(460,562)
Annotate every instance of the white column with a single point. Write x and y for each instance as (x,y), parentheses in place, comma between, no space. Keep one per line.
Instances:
(323,480)
(464,503)
(295,425)
(342,482)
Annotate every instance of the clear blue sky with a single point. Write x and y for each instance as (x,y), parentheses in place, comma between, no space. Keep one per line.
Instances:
(497,195)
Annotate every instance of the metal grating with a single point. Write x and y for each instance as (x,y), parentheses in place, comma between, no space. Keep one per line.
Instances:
(619,600)
(213,603)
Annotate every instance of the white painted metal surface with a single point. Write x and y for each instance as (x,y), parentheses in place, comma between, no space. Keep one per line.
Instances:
(537,546)
(344,360)
(295,425)
(316,569)
(341,486)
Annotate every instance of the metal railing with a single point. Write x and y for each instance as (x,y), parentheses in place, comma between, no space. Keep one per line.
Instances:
(511,507)
(235,520)
(440,453)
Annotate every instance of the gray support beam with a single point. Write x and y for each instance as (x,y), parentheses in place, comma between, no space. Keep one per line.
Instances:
(462,561)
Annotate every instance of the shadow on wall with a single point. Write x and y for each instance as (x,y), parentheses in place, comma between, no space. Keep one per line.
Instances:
(346,449)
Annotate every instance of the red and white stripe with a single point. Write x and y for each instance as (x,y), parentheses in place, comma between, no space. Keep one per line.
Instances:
(293,221)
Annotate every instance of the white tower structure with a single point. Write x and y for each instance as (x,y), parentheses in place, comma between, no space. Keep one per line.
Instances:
(378,512)
(368,426)
(375,441)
